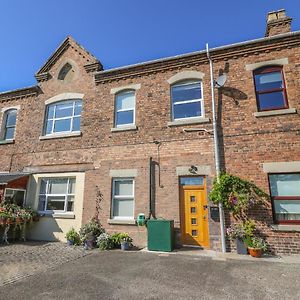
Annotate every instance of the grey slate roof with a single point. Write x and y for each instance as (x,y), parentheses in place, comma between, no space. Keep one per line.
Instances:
(8,177)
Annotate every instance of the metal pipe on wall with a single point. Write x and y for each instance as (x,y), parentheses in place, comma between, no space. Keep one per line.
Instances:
(216,147)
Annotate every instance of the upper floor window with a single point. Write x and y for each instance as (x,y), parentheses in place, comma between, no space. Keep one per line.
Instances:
(187,100)
(270,88)
(10,119)
(285,193)
(125,108)
(63,117)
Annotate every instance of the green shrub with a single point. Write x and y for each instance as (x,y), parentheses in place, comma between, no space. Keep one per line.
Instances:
(104,241)
(73,236)
(91,230)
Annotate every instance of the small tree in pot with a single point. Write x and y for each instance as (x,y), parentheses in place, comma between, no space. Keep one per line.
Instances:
(240,232)
(89,233)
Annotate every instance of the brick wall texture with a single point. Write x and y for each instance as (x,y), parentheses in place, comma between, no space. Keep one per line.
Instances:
(246,141)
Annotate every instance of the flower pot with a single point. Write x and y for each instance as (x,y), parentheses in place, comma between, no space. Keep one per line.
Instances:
(19,220)
(2,221)
(124,246)
(70,242)
(9,221)
(241,247)
(255,252)
(89,244)
(36,218)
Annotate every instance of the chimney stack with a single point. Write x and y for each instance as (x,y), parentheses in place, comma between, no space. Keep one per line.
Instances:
(278,22)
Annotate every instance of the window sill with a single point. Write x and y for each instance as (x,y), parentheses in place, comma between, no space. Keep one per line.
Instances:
(124,128)
(57,215)
(4,142)
(199,120)
(59,136)
(121,222)
(286,228)
(275,112)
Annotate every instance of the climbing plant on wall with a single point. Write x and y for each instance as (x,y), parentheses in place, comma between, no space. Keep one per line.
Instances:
(236,194)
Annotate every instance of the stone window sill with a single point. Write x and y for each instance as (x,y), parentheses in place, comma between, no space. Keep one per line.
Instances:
(57,215)
(124,128)
(286,228)
(4,142)
(60,136)
(121,222)
(199,120)
(278,112)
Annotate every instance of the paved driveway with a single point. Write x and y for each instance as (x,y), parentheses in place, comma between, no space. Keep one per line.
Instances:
(19,260)
(137,275)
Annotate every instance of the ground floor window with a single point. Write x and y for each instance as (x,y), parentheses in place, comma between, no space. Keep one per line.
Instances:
(14,196)
(285,193)
(123,198)
(57,194)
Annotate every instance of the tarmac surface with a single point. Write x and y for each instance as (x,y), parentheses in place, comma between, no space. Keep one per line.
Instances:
(143,275)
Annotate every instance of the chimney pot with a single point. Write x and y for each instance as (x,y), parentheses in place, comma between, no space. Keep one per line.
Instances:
(278,22)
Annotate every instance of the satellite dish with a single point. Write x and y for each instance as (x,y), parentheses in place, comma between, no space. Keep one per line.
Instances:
(221,81)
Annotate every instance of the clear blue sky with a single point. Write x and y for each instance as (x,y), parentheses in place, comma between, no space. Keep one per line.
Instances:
(122,32)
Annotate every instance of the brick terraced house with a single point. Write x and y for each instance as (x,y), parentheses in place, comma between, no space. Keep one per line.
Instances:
(80,141)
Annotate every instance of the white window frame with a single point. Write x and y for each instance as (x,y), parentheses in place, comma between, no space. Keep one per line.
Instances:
(13,189)
(45,210)
(4,126)
(126,109)
(122,197)
(54,119)
(201,100)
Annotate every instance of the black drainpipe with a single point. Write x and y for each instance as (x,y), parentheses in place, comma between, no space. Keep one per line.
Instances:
(151,213)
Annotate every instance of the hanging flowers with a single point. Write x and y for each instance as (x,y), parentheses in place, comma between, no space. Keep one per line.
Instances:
(236,194)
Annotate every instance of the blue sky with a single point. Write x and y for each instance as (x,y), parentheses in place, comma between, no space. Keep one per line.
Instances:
(122,32)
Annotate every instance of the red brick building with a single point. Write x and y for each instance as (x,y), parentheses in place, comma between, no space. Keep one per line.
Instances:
(85,135)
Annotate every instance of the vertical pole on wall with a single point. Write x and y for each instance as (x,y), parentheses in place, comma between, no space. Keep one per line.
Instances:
(216,147)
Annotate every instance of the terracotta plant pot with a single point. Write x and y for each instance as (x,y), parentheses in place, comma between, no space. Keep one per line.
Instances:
(255,252)
(19,220)
(2,221)
(35,218)
(9,221)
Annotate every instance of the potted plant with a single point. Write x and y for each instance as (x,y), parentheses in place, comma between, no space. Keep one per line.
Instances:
(3,216)
(240,232)
(89,232)
(256,246)
(104,241)
(126,241)
(72,237)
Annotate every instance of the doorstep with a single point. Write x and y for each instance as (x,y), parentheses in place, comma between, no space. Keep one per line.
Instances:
(219,256)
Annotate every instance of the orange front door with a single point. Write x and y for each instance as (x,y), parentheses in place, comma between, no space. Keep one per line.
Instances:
(194,216)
